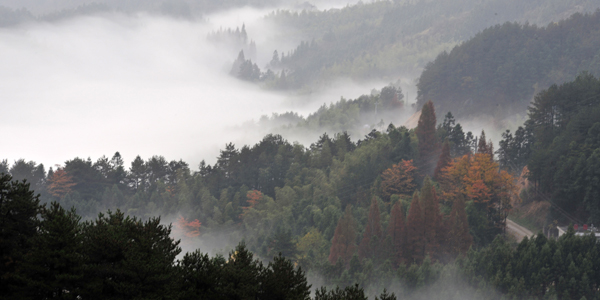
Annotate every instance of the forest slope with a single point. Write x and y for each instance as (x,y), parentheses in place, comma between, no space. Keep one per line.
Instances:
(499,70)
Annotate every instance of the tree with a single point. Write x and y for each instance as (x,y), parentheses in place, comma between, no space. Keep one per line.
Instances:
(443,161)
(241,275)
(415,233)
(428,143)
(459,239)
(189,229)
(343,244)
(432,228)
(53,268)
(60,183)
(281,281)
(370,245)
(19,208)
(399,179)
(200,276)
(128,258)
(396,236)
(479,181)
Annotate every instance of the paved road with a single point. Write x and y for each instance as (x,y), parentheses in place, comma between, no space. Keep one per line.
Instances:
(517,230)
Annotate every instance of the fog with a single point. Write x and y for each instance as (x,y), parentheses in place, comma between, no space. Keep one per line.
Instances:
(140,84)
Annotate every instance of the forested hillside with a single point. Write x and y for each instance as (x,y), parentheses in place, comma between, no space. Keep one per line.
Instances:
(391,40)
(563,128)
(498,72)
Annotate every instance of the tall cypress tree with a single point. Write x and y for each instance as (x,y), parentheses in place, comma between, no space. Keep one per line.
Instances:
(431,218)
(428,142)
(443,161)
(415,235)
(343,244)
(371,241)
(396,237)
(459,239)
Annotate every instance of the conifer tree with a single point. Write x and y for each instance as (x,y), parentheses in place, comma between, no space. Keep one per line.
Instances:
(343,244)
(281,281)
(54,266)
(18,224)
(371,241)
(428,143)
(459,239)
(431,218)
(415,239)
(396,237)
(443,162)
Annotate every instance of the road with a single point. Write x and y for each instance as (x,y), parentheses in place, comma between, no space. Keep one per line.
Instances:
(518,231)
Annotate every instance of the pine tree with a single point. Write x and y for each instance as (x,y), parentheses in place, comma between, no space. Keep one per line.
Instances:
(241,275)
(371,241)
(415,235)
(53,267)
(443,162)
(281,281)
(396,237)
(431,218)
(18,225)
(428,143)
(343,244)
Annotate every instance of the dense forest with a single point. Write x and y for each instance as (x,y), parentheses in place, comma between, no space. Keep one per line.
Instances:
(369,208)
(391,40)
(562,127)
(364,216)
(499,70)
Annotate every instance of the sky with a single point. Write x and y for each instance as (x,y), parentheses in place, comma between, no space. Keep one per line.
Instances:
(139,84)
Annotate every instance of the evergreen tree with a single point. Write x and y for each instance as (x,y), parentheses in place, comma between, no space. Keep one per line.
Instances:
(459,239)
(128,258)
(281,281)
(415,233)
(431,218)
(18,225)
(200,276)
(428,142)
(54,266)
(241,275)
(343,244)
(443,161)
(396,236)
(370,244)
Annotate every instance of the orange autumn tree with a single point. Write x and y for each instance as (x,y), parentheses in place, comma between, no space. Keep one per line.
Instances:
(60,183)
(478,179)
(189,229)
(253,197)
(399,179)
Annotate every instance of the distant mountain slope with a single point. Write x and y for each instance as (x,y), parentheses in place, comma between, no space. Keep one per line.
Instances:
(499,70)
(386,39)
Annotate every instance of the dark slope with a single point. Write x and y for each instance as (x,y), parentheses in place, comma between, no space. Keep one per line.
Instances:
(499,70)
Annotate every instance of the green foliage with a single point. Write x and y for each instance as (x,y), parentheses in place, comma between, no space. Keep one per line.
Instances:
(564,124)
(500,69)
(18,225)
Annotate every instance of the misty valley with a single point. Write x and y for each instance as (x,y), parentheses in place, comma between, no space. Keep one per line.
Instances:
(284,149)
